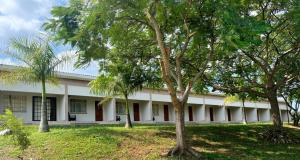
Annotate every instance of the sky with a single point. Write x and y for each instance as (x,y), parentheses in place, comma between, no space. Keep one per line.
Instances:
(22,18)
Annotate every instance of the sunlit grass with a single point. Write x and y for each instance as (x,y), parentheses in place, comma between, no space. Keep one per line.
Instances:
(147,142)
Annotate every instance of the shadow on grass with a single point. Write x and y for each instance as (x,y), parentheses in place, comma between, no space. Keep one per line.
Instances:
(212,141)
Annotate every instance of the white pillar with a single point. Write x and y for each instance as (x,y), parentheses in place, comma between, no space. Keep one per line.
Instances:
(65,105)
(239,115)
(111,110)
(254,114)
(221,114)
(202,113)
(147,112)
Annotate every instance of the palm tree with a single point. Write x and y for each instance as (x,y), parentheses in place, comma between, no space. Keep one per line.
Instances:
(40,64)
(112,86)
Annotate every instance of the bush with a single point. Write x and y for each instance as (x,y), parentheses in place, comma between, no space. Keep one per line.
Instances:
(19,135)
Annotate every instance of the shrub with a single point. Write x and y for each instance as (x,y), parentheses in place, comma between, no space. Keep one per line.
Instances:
(19,135)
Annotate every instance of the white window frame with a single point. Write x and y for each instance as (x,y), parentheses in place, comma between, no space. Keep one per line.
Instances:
(18,103)
(155,109)
(120,108)
(83,106)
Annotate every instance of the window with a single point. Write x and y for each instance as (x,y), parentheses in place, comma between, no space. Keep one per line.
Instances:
(120,108)
(16,103)
(37,105)
(77,106)
(155,109)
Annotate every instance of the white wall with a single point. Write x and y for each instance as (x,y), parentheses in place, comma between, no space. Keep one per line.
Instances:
(263,114)
(26,116)
(36,88)
(160,117)
(89,116)
(109,110)
(218,113)
(284,116)
(199,112)
(235,113)
(251,114)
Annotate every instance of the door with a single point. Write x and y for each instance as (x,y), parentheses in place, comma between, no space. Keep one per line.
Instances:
(166,112)
(36,108)
(257,113)
(98,111)
(190,113)
(228,114)
(136,111)
(211,114)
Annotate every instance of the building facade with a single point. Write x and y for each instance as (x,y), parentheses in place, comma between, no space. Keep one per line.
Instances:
(72,100)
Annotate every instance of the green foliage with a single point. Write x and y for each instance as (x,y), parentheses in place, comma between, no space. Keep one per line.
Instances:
(118,31)
(40,63)
(19,134)
(38,57)
(261,47)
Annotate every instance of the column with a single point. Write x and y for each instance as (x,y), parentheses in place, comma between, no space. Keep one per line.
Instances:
(111,110)
(65,105)
(221,114)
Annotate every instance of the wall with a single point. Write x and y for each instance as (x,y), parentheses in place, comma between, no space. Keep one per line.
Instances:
(251,114)
(263,115)
(79,88)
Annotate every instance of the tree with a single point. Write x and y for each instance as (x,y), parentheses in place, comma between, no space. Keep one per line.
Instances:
(121,79)
(291,96)
(40,64)
(262,54)
(180,36)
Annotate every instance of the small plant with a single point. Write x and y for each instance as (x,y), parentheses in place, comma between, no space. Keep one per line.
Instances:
(19,135)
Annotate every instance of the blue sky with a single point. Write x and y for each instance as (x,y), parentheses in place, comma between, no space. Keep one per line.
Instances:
(24,18)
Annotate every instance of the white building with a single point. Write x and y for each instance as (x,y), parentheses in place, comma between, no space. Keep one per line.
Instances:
(72,97)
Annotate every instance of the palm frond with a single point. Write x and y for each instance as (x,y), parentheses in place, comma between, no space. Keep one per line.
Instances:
(23,74)
(106,85)
(39,57)
(105,100)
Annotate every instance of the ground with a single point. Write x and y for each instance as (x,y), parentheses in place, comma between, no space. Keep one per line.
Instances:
(231,141)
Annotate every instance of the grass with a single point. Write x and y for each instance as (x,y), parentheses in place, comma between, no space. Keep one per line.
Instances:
(147,142)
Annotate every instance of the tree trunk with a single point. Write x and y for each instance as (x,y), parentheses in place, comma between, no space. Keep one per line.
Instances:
(128,123)
(296,119)
(296,122)
(44,127)
(275,112)
(180,133)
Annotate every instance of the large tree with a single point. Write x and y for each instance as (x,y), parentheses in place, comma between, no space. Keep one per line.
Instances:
(40,64)
(262,53)
(180,36)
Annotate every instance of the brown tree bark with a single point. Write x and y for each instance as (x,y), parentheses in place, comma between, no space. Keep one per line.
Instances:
(275,112)
(296,122)
(180,132)
(178,101)
(128,123)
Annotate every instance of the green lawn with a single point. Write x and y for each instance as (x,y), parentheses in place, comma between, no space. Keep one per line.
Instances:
(147,142)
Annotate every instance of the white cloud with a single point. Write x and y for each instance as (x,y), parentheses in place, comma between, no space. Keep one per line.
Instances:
(22,17)
(7,61)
